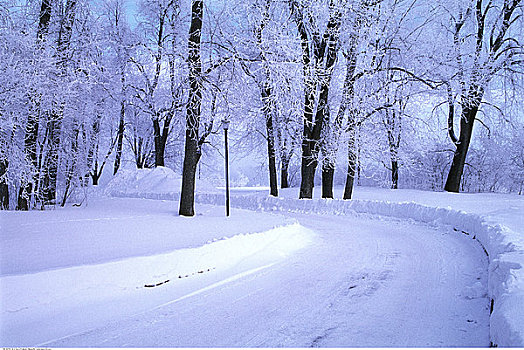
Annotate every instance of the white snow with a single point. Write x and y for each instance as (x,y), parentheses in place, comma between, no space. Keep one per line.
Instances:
(360,282)
(327,273)
(496,221)
(82,259)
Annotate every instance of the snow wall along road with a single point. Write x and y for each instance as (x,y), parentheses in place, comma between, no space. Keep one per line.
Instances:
(504,248)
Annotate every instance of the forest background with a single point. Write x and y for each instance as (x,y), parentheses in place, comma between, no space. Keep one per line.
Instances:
(398,93)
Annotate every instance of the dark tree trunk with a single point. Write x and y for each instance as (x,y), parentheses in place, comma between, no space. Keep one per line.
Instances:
(95,178)
(328,173)
(311,139)
(43,22)
(352,163)
(4,188)
(24,196)
(159,145)
(268,112)
(350,180)
(284,169)
(191,158)
(120,138)
(93,153)
(459,157)
(309,158)
(273,185)
(307,169)
(160,137)
(94,173)
(313,143)
(393,124)
(394,174)
(192,144)
(470,107)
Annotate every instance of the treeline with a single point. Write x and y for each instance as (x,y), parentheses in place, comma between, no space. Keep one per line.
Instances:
(369,87)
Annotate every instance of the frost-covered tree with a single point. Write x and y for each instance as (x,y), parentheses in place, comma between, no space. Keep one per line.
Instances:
(486,37)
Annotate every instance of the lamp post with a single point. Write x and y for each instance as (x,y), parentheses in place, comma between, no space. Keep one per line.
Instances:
(225,126)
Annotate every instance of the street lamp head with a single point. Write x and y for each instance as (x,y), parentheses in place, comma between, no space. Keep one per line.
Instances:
(225,124)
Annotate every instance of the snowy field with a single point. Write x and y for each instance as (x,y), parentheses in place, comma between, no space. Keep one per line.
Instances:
(376,271)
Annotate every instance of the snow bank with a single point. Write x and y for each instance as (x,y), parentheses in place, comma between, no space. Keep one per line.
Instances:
(24,295)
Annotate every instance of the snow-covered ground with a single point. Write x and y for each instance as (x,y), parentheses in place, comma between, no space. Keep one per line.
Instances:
(359,283)
(376,271)
(65,271)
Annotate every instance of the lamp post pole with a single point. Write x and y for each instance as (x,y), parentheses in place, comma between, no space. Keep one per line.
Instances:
(225,126)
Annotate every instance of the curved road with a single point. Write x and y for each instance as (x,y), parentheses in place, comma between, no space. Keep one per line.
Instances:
(362,282)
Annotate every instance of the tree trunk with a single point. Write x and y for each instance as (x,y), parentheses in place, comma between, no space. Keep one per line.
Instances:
(192,146)
(284,169)
(268,113)
(24,195)
(160,137)
(49,182)
(350,180)
(95,178)
(311,140)
(4,189)
(191,158)
(139,152)
(328,173)
(43,22)
(459,158)
(159,145)
(352,163)
(311,144)
(95,174)
(307,170)
(394,173)
(273,185)
(309,159)
(120,138)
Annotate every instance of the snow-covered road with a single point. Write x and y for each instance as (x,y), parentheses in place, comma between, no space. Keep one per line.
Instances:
(361,282)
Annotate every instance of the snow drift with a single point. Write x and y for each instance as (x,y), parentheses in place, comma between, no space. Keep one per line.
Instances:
(26,298)
(111,278)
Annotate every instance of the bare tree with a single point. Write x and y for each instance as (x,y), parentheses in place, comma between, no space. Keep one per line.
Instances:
(33,120)
(319,54)
(492,49)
